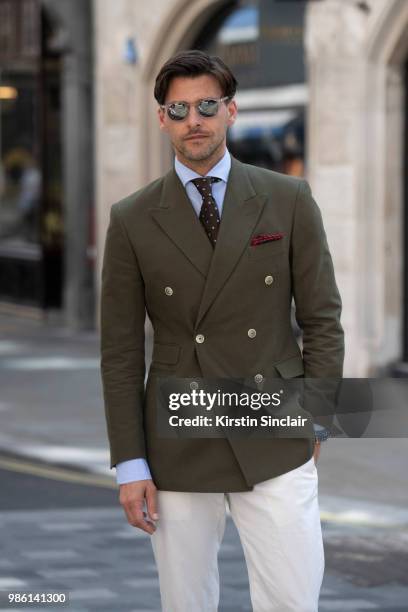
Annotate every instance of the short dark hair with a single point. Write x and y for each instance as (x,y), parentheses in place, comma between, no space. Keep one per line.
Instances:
(194,63)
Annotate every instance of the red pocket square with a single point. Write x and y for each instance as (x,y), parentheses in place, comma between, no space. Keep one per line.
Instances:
(261,238)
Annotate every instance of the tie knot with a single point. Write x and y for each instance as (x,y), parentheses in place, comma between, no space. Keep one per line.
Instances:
(204,183)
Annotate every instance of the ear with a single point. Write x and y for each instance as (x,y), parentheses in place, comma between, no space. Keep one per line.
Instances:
(161,116)
(232,110)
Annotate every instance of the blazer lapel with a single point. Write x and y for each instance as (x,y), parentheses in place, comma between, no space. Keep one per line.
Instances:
(177,218)
(241,211)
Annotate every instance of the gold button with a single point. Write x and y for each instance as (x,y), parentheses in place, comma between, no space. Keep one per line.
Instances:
(168,291)
(193,385)
(252,333)
(268,279)
(199,338)
(258,378)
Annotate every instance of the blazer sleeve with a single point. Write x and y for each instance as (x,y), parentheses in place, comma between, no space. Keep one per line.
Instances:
(317,298)
(122,310)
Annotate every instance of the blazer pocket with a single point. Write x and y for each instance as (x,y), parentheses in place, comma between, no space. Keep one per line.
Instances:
(166,354)
(266,249)
(289,368)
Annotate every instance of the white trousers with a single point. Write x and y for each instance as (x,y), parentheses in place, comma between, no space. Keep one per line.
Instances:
(279,527)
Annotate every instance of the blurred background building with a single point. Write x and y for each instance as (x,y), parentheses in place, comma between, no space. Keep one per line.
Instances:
(46,158)
(322,94)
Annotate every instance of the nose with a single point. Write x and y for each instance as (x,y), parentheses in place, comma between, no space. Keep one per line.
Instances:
(194,118)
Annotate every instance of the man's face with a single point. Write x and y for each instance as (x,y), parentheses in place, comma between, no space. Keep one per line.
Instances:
(197,138)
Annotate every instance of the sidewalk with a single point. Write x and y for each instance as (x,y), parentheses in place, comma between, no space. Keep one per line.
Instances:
(51,400)
(106,565)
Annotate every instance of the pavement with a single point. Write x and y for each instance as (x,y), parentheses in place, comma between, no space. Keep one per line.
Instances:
(53,431)
(92,554)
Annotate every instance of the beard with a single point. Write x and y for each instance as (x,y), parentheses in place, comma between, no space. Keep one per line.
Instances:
(204,150)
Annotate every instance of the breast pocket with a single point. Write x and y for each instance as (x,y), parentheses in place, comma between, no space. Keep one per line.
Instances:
(266,250)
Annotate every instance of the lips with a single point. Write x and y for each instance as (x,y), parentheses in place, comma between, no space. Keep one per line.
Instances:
(196,136)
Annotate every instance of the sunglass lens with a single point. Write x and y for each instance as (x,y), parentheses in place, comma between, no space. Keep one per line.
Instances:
(208,108)
(177,111)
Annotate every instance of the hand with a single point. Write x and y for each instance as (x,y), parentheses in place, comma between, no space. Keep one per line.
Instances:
(132,496)
(316,451)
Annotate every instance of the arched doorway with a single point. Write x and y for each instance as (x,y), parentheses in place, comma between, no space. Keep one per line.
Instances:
(272,122)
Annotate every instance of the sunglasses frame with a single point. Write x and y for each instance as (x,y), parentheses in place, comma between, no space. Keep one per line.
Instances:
(166,107)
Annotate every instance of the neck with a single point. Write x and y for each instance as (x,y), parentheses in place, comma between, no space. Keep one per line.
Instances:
(204,165)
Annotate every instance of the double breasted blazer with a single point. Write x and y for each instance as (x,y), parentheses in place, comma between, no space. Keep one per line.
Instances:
(202,302)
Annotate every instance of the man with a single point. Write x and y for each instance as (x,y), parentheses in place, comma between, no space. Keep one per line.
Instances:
(214,251)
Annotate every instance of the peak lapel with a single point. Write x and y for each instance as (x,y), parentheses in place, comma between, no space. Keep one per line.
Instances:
(178,220)
(241,211)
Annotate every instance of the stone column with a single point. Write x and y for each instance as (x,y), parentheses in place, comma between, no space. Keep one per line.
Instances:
(75,27)
(335,35)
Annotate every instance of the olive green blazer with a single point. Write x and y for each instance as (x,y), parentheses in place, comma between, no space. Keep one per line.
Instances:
(158,259)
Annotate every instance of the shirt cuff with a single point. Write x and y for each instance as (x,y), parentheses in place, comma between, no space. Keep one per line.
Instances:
(132,470)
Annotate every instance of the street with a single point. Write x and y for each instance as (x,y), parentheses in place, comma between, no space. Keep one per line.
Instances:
(62,528)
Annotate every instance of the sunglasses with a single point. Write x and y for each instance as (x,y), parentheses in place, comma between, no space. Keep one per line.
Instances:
(208,107)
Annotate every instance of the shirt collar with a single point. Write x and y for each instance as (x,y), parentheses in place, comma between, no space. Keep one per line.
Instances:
(220,170)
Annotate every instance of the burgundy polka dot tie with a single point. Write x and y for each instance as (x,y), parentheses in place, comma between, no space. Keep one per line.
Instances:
(209,215)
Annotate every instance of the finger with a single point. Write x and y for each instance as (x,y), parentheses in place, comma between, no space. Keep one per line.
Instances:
(151,503)
(146,526)
(137,518)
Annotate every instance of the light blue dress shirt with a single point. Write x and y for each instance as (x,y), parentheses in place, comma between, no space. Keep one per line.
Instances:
(138,469)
